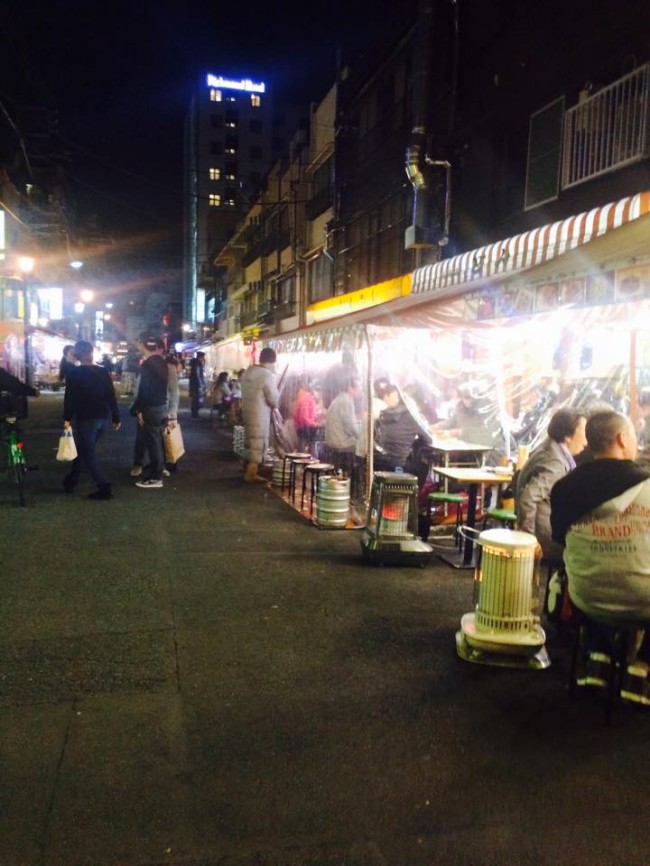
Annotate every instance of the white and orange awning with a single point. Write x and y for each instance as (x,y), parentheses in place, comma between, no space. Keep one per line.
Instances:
(505,258)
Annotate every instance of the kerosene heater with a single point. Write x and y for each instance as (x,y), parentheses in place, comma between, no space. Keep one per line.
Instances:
(504,628)
(390,536)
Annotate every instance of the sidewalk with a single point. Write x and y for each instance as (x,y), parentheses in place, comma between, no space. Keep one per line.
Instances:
(198,675)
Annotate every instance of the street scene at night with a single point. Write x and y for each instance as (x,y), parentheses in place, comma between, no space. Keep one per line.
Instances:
(324,407)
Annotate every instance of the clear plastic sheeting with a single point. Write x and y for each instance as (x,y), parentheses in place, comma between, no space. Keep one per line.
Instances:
(489,367)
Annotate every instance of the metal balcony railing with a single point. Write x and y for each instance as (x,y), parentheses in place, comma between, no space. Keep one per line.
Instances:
(251,317)
(607,130)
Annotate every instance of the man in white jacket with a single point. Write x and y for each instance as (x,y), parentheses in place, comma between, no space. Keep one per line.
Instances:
(259,395)
(600,512)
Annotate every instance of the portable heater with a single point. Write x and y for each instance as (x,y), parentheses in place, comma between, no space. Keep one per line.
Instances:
(390,536)
(504,628)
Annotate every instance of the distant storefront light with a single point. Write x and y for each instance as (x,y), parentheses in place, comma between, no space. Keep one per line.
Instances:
(244,84)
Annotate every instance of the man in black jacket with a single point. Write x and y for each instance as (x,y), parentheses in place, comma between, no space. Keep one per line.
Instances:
(150,408)
(89,400)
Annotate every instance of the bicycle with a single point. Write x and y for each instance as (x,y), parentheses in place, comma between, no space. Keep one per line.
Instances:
(12,408)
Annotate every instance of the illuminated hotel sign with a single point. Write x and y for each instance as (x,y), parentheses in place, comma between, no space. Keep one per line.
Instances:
(228,84)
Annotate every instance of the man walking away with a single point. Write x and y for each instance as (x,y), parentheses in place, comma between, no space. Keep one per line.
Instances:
(150,408)
(89,400)
(259,396)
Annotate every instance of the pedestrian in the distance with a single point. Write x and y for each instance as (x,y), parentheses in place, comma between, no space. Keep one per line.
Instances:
(197,383)
(89,401)
(68,362)
(150,408)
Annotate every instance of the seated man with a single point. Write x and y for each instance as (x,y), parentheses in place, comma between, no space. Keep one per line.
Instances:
(395,432)
(600,512)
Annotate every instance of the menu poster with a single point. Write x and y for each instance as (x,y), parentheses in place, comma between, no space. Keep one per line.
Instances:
(600,288)
(546,296)
(571,291)
(633,284)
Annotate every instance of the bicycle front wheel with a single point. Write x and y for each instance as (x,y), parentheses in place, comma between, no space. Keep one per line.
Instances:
(17,472)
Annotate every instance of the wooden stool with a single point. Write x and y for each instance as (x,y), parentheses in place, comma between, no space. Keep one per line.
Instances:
(313,471)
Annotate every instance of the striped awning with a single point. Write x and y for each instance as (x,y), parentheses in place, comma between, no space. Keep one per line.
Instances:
(529,249)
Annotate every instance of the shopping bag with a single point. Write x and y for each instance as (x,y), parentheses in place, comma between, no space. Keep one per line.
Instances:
(174,448)
(67,449)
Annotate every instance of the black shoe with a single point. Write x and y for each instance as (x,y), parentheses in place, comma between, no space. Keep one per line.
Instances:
(103,492)
(69,484)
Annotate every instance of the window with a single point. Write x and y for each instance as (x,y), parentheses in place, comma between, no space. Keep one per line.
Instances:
(231,170)
(214,199)
(544,154)
(256,100)
(215,174)
(216,121)
(255,126)
(215,95)
(230,192)
(231,151)
(232,116)
(216,148)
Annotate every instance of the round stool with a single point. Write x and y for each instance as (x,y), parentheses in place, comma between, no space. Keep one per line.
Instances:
(505,516)
(313,471)
(442,498)
(286,461)
(293,466)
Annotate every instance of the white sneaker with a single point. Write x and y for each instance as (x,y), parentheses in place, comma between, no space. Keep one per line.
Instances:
(166,473)
(146,483)
(137,470)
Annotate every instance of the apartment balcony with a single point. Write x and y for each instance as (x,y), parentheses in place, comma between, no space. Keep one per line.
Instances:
(319,203)
(249,318)
(254,252)
(608,130)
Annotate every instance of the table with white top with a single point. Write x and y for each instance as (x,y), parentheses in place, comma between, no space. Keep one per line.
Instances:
(473,477)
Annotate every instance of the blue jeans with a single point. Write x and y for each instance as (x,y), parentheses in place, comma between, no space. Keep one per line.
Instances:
(152,432)
(86,434)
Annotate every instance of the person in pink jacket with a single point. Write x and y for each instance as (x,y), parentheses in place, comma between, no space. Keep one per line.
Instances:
(305,416)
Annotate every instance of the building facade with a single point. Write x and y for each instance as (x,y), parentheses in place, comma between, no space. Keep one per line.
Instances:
(233,134)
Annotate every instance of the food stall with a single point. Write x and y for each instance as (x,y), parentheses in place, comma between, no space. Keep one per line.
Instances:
(506,333)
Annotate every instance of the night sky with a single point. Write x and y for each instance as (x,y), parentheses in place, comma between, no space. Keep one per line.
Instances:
(120,74)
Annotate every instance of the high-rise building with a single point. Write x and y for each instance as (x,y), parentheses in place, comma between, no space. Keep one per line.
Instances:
(233,134)
(227,150)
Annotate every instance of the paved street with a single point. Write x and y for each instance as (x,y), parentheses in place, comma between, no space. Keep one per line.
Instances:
(197,676)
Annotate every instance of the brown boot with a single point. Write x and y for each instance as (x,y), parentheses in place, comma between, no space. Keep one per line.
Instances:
(251,475)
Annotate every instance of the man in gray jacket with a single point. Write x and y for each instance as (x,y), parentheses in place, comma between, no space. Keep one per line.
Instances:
(259,395)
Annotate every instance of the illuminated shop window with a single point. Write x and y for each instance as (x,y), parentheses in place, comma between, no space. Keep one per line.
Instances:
(215,174)
(215,95)
(215,199)
(256,100)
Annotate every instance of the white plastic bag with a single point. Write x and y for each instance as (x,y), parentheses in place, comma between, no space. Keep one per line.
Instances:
(67,449)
